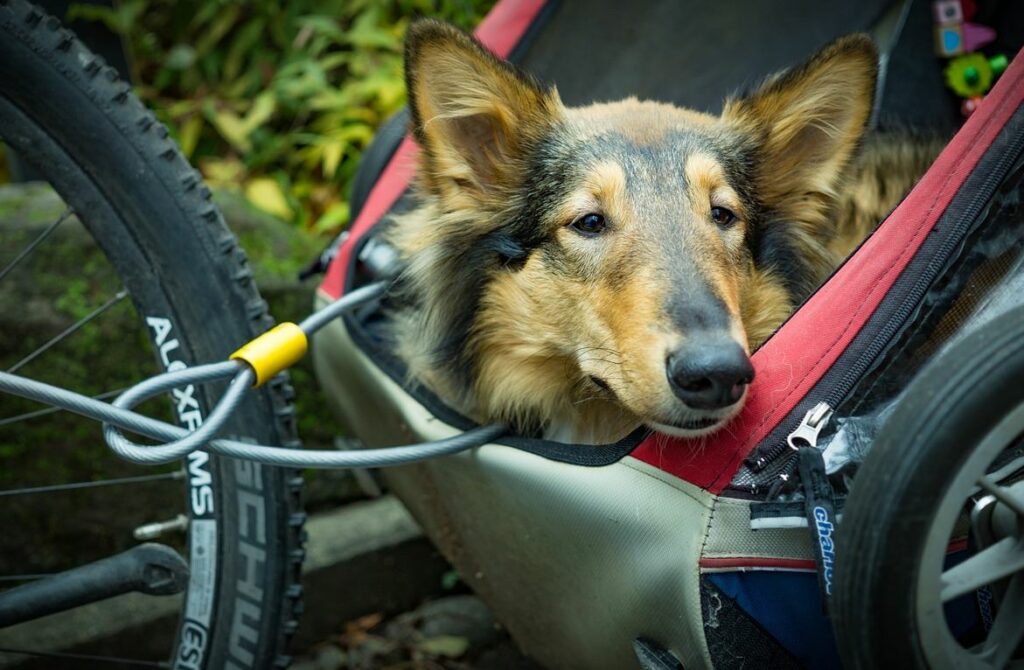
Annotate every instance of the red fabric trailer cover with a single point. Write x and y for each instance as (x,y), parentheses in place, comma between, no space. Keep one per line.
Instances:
(797,356)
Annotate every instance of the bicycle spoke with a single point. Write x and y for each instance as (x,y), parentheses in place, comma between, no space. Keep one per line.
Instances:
(70,330)
(1003,494)
(53,410)
(87,657)
(27,251)
(176,474)
(1000,560)
(1006,471)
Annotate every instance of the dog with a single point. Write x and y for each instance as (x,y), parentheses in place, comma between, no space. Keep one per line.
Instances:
(579,272)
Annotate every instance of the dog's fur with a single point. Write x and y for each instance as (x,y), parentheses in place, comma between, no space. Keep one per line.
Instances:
(514,315)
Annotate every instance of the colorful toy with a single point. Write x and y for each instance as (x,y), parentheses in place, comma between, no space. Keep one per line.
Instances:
(977,36)
(954,11)
(949,39)
(972,75)
(954,33)
(948,11)
(970,105)
(969,74)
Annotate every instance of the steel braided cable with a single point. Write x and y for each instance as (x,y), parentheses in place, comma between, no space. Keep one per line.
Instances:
(266,454)
(321,318)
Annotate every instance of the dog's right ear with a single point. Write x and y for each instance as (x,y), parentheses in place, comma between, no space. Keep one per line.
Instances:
(808,122)
(475,116)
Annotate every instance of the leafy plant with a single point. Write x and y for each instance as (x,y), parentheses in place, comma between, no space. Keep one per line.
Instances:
(274,98)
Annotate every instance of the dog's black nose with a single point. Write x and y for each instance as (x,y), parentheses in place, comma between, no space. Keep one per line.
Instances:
(709,372)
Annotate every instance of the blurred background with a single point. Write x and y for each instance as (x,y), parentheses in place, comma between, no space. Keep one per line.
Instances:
(272,100)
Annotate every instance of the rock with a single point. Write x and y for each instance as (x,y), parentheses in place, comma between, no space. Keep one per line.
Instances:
(448,646)
(463,616)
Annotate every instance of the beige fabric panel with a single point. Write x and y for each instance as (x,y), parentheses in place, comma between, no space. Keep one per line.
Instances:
(730,536)
(575,561)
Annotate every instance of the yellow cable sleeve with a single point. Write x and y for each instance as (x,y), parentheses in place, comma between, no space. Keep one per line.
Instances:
(275,350)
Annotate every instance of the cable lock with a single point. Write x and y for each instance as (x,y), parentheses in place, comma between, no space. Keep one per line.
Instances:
(275,350)
(252,365)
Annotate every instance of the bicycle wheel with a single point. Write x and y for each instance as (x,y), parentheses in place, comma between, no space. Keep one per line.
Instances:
(948,463)
(66,114)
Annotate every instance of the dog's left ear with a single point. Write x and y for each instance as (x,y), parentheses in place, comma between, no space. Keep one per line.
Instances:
(475,116)
(808,121)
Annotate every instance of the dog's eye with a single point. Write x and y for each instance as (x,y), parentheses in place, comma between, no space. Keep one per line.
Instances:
(589,225)
(722,216)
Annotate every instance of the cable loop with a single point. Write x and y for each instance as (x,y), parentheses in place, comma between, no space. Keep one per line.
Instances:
(171,451)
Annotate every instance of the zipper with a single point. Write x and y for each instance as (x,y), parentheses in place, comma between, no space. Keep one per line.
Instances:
(804,435)
(837,392)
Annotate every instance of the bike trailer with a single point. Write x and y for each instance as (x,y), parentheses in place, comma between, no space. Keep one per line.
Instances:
(656,551)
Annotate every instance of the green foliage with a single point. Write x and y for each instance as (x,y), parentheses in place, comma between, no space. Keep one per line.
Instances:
(275,98)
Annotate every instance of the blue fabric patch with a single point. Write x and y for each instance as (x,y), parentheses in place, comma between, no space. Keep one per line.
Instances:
(787,605)
(962,613)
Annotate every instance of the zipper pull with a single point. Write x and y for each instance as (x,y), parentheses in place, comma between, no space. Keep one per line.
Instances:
(819,498)
(806,434)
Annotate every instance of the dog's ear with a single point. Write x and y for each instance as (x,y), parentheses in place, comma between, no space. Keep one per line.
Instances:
(474,116)
(808,121)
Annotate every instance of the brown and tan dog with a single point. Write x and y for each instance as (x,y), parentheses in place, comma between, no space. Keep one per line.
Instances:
(582,271)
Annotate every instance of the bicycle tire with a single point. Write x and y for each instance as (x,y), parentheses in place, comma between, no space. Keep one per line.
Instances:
(947,411)
(69,116)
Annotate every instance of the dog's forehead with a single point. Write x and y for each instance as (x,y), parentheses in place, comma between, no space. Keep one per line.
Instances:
(653,143)
(644,122)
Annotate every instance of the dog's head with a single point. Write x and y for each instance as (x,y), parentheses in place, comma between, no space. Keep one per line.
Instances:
(619,255)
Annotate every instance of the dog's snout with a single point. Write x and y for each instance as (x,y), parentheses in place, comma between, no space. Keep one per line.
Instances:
(709,373)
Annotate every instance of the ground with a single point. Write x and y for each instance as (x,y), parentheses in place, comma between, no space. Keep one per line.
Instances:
(456,633)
